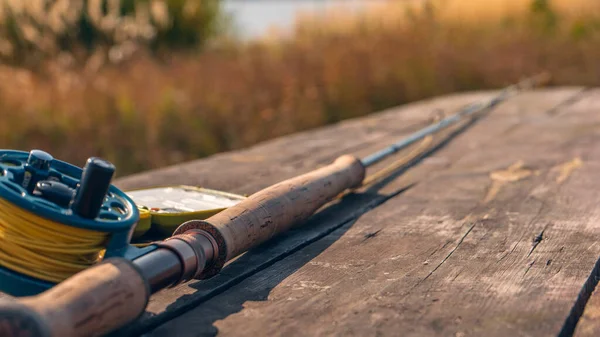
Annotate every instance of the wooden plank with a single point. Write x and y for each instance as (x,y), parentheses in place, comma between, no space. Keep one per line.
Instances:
(445,263)
(530,109)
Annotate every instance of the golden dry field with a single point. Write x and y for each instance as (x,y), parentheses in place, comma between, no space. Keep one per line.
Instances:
(147,111)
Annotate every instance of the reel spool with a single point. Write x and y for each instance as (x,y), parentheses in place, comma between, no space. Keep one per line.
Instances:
(35,189)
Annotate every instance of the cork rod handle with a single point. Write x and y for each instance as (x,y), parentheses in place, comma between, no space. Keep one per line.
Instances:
(281,206)
(91,303)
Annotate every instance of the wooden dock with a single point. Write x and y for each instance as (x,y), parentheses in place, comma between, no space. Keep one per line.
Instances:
(496,232)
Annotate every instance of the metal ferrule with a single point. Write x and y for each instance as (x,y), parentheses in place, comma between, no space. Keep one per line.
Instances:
(204,245)
(187,256)
(195,249)
(161,268)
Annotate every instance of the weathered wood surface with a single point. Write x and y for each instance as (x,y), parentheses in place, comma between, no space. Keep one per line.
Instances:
(495,233)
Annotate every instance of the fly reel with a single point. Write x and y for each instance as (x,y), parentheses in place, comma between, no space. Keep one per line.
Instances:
(56,218)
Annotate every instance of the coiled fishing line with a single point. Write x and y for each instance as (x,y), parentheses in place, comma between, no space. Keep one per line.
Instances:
(44,249)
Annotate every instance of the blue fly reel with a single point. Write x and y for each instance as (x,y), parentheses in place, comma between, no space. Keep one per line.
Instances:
(67,194)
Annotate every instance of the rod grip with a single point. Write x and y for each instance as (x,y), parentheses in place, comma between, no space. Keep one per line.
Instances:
(276,209)
(91,303)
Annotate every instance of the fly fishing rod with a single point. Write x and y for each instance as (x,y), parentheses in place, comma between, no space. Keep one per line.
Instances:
(59,206)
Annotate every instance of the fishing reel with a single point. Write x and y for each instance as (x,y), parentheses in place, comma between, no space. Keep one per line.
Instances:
(53,190)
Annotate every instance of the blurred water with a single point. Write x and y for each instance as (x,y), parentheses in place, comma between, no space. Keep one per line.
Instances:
(254,17)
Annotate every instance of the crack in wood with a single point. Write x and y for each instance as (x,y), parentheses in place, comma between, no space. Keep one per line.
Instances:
(537,215)
(537,240)
(437,249)
(449,254)
(529,265)
(510,252)
(370,235)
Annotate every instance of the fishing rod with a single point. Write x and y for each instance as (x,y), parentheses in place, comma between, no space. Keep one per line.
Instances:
(42,198)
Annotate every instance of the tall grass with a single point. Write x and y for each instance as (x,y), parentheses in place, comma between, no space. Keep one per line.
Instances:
(146,113)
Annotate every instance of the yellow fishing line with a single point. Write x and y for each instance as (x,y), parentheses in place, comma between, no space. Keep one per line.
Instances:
(44,249)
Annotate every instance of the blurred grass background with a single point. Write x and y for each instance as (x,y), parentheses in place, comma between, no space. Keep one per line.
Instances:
(148,83)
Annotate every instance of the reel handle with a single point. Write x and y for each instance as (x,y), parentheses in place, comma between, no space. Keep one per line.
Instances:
(91,303)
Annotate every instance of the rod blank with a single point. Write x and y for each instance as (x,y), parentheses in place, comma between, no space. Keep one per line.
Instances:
(468,111)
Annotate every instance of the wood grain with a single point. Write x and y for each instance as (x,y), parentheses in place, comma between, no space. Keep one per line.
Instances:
(437,259)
